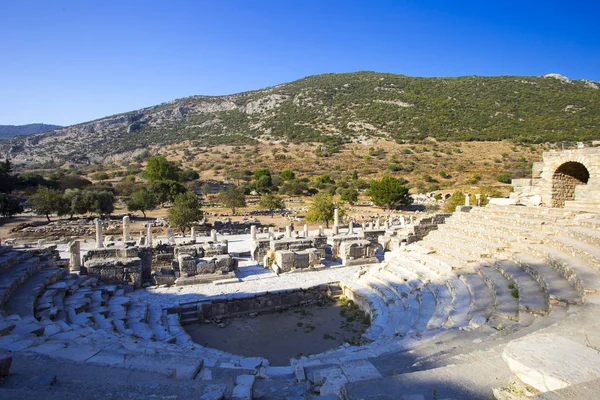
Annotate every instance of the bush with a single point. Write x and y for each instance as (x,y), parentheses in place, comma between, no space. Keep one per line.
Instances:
(504,177)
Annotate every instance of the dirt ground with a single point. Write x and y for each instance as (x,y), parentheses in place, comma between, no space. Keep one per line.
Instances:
(282,335)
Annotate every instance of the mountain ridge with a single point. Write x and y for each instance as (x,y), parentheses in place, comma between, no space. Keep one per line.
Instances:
(338,108)
(10,131)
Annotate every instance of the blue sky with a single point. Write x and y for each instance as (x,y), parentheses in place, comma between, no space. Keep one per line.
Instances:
(66,62)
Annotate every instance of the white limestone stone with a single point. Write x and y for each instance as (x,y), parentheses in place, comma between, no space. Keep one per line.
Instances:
(126,236)
(551,362)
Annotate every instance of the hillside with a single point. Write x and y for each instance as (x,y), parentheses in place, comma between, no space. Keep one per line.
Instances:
(9,131)
(338,108)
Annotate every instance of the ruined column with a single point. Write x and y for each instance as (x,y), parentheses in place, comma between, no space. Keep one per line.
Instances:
(305,230)
(336,217)
(320,230)
(193,234)
(149,234)
(336,230)
(467,199)
(388,224)
(364,226)
(74,257)
(288,231)
(253,232)
(213,235)
(350,228)
(478,200)
(402,220)
(377,224)
(271,233)
(126,228)
(370,225)
(99,240)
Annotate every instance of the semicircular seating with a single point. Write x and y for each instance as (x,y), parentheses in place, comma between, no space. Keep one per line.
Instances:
(484,281)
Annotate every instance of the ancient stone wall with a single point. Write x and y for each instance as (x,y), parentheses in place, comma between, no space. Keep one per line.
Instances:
(264,302)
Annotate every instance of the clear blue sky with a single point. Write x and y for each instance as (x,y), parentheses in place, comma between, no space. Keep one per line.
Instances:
(66,62)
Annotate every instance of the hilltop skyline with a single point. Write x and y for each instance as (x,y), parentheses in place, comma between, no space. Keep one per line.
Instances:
(73,62)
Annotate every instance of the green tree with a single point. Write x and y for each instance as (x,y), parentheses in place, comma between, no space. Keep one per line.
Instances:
(350,196)
(167,190)
(261,172)
(186,210)
(287,175)
(76,201)
(457,199)
(189,175)
(9,206)
(322,209)
(389,192)
(100,176)
(46,201)
(160,169)
(354,176)
(101,202)
(271,202)
(232,197)
(142,200)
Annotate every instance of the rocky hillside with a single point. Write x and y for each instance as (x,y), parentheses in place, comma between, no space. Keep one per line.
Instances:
(337,108)
(9,131)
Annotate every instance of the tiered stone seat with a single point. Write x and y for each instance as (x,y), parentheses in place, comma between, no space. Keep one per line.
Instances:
(506,305)
(531,295)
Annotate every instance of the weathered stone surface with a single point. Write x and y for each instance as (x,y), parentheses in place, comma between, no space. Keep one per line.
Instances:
(551,362)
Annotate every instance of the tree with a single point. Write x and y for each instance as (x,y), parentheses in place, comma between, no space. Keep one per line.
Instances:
(232,197)
(167,190)
(189,175)
(142,200)
(389,192)
(271,202)
(9,206)
(186,210)
(322,209)
(457,199)
(287,175)
(160,169)
(76,201)
(350,196)
(354,175)
(6,179)
(100,176)
(46,201)
(261,172)
(101,202)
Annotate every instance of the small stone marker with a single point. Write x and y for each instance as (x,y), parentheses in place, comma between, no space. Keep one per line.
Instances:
(74,257)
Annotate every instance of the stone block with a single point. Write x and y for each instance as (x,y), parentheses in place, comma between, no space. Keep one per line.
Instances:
(301,259)
(284,259)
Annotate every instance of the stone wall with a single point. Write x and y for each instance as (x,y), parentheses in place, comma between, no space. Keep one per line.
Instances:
(258,303)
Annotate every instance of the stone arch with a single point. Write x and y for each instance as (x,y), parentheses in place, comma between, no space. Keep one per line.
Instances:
(564,180)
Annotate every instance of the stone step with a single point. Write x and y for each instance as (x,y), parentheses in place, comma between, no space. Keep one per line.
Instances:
(531,295)
(461,303)
(452,250)
(427,308)
(577,248)
(443,306)
(557,288)
(471,241)
(380,307)
(371,303)
(15,276)
(529,212)
(482,298)
(23,299)
(579,274)
(506,304)
(10,258)
(438,262)
(584,234)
